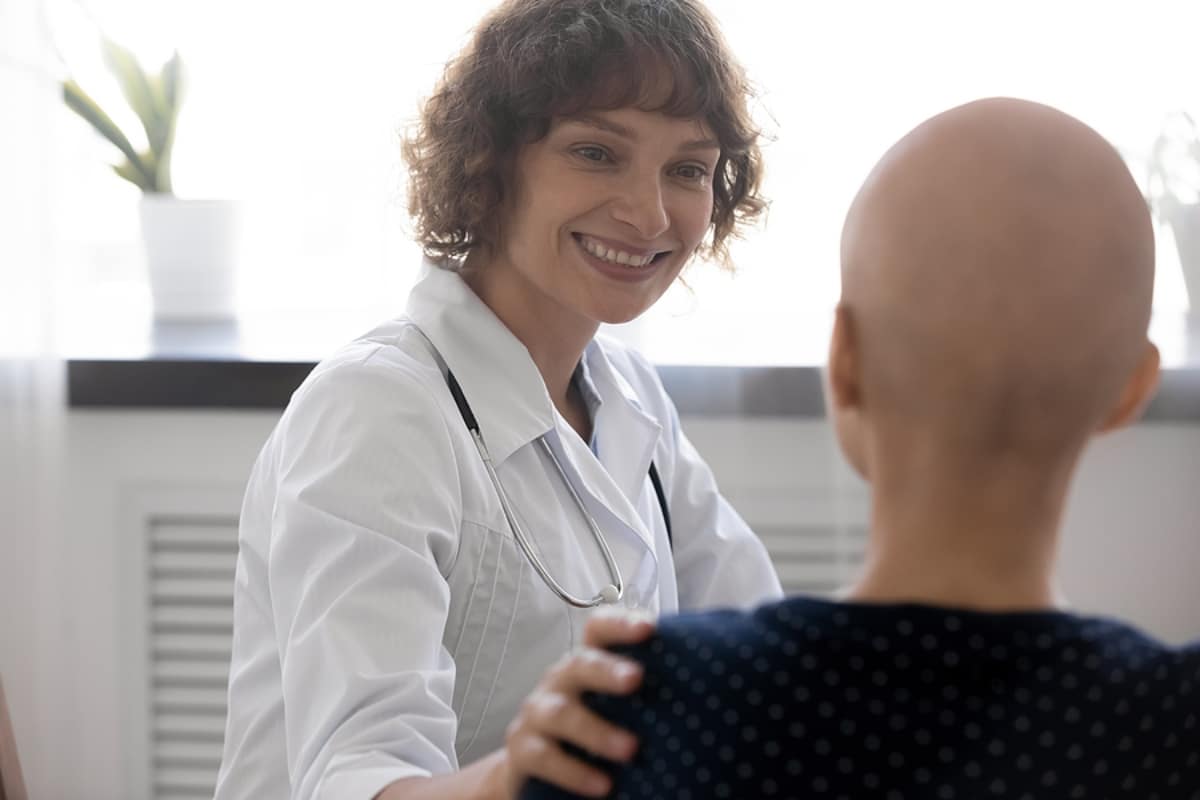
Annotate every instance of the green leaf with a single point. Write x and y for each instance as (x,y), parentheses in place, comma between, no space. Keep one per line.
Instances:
(167,86)
(171,80)
(130,173)
(83,105)
(135,85)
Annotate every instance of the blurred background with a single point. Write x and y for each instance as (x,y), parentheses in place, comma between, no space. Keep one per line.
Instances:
(121,481)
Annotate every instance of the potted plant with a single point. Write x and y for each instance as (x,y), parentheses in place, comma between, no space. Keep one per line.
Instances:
(1173,190)
(189,244)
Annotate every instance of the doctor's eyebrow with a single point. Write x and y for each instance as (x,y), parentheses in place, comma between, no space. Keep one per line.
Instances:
(626,133)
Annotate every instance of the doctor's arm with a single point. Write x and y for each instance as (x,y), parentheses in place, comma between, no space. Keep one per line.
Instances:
(365,515)
(554,712)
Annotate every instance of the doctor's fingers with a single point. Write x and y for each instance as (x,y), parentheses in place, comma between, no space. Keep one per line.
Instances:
(589,669)
(565,718)
(533,756)
(611,626)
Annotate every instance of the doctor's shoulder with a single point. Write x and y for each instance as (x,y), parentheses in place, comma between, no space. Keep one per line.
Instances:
(388,365)
(377,407)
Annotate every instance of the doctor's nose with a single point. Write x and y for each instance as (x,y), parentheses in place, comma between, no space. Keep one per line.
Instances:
(640,205)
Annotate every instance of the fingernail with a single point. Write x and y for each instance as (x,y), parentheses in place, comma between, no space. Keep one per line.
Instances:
(621,746)
(627,672)
(597,786)
(640,617)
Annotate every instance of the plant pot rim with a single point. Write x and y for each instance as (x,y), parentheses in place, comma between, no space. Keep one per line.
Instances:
(161,197)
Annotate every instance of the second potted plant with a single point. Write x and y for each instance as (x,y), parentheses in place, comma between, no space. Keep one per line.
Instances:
(1173,189)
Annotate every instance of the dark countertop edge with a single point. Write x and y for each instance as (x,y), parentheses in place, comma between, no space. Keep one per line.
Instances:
(711,391)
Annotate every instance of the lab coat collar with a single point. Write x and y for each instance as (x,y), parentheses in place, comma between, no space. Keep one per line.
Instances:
(497,375)
(509,398)
(615,475)
(626,436)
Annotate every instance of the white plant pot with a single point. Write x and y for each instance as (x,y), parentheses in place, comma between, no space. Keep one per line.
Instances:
(191,254)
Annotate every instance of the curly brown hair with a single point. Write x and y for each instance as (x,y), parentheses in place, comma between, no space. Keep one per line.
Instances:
(530,61)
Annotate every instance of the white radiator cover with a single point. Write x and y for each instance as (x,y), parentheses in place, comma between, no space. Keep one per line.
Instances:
(190,564)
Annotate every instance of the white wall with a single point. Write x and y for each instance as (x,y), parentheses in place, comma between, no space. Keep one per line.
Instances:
(1131,539)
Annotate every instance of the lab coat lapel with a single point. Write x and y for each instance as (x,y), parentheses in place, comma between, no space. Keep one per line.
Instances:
(625,436)
(627,535)
(498,377)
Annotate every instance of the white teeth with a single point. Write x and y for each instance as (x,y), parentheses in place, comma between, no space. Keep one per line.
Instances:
(615,256)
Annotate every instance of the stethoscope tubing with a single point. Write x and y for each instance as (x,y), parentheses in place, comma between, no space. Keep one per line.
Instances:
(609,594)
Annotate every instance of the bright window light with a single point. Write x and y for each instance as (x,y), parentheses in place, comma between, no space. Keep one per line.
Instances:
(293,109)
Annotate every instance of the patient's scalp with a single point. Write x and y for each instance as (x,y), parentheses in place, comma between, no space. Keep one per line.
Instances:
(998,262)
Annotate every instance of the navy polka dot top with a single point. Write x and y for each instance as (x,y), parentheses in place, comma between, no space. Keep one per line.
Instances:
(842,701)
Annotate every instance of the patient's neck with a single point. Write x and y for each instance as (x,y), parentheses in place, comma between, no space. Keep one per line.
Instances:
(983,538)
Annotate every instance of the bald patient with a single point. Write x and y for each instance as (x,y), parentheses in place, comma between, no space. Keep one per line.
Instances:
(997,269)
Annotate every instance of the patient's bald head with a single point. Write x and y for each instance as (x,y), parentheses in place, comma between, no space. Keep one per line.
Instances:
(997,271)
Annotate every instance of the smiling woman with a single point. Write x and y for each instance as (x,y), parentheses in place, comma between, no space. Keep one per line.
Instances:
(425,531)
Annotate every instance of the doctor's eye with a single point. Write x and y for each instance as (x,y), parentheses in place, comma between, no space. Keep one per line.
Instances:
(692,172)
(593,153)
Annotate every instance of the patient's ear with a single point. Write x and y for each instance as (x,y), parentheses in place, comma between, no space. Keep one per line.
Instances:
(843,390)
(843,373)
(1138,391)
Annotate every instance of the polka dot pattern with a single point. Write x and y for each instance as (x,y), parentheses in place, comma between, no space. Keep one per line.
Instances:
(811,699)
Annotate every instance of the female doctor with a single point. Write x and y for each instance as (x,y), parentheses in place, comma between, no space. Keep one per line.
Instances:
(447,501)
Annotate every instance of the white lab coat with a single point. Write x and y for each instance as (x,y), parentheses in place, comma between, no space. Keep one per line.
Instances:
(385,622)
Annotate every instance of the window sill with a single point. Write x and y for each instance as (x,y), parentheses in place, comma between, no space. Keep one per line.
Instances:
(235,365)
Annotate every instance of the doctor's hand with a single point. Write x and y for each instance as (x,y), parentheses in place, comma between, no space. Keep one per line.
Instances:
(554,711)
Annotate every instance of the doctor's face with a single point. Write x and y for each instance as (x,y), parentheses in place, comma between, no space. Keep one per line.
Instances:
(605,211)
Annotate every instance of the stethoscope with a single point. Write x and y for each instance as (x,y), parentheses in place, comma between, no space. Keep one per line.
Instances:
(610,593)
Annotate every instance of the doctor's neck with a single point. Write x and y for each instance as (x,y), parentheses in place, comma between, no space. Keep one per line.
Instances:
(554,335)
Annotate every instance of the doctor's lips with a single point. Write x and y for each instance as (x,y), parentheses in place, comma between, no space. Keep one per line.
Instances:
(619,252)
